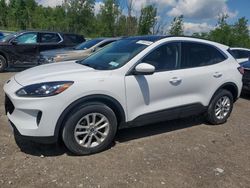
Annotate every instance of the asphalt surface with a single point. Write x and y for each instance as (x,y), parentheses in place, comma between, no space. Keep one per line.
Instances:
(181,153)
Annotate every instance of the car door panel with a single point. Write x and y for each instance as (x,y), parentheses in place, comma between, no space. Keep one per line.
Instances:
(151,93)
(25,51)
(50,41)
(202,69)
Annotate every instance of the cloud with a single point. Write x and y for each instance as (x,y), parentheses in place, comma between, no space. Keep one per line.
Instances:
(97,7)
(190,28)
(158,3)
(201,9)
(50,3)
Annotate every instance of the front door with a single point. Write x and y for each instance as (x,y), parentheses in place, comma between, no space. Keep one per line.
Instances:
(25,49)
(157,92)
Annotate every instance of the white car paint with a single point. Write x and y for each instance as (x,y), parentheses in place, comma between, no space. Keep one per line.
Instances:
(136,94)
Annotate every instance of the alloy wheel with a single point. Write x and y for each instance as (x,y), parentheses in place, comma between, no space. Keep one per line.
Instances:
(222,107)
(92,130)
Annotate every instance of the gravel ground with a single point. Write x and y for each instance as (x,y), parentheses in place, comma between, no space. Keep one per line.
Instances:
(182,153)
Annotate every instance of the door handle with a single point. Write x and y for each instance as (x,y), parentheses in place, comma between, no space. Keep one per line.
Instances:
(175,81)
(218,74)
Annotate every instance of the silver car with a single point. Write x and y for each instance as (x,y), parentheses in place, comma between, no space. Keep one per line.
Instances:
(78,52)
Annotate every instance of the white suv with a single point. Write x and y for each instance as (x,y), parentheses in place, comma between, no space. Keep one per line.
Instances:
(134,81)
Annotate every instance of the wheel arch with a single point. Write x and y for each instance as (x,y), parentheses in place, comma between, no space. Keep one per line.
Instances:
(107,100)
(231,87)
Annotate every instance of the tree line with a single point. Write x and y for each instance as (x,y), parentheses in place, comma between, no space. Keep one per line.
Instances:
(113,19)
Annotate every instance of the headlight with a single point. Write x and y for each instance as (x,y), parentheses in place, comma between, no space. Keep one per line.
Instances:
(44,89)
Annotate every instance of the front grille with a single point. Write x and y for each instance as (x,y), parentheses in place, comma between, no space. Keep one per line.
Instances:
(9,107)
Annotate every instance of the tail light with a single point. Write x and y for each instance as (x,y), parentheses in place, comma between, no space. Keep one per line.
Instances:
(241,70)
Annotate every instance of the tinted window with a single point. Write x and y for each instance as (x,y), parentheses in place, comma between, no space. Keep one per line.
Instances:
(196,55)
(165,57)
(50,38)
(27,38)
(241,54)
(88,44)
(115,55)
(74,39)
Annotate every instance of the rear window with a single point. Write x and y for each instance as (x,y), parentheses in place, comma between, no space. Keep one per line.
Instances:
(241,54)
(197,55)
(50,38)
(74,39)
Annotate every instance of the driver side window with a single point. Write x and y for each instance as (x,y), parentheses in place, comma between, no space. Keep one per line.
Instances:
(27,38)
(165,57)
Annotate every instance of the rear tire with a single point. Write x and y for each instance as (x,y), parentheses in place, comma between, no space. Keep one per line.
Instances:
(3,63)
(90,129)
(220,107)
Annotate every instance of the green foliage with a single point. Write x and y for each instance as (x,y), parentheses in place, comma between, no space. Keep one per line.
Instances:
(176,28)
(235,35)
(147,20)
(78,16)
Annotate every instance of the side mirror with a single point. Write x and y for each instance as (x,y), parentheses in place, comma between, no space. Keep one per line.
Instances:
(14,42)
(144,69)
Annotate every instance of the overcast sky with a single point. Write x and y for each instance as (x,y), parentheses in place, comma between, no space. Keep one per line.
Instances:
(200,15)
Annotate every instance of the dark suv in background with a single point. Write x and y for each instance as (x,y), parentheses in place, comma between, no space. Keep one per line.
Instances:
(22,49)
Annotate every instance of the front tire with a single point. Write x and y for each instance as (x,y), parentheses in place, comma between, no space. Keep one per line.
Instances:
(220,107)
(3,63)
(90,129)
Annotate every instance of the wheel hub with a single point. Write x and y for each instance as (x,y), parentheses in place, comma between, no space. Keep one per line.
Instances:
(222,107)
(92,130)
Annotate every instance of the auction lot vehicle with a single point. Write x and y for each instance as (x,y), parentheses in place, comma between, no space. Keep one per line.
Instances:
(246,76)
(78,52)
(134,81)
(240,54)
(22,49)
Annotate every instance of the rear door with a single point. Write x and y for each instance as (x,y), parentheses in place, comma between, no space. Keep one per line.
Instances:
(50,41)
(25,49)
(202,71)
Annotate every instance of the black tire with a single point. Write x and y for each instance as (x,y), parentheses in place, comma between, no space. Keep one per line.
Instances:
(211,112)
(3,63)
(71,123)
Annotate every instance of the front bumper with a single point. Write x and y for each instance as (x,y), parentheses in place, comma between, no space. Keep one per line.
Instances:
(43,140)
(32,117)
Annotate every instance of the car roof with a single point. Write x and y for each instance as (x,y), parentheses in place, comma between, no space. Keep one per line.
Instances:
(238,48)
(155,38)
(45,31)
(151,38)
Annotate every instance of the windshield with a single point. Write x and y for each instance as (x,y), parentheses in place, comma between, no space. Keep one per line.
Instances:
(8,37)
(116,54)
(88,44)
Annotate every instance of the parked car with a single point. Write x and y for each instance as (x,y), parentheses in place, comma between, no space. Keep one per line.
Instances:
(22,49)
(134,81)
(78,52)
(241,54)
(246,76)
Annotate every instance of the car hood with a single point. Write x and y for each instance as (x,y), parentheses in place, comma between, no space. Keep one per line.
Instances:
(55,52)
(63,71)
